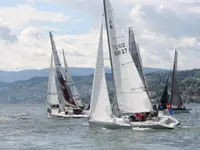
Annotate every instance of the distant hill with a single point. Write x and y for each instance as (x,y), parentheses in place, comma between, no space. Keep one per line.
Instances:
(10,76)
(34,90)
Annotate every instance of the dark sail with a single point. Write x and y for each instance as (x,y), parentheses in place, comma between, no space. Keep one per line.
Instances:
(164,97)
(175,89)
(61,81)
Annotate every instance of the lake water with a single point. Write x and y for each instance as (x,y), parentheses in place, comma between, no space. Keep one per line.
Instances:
(26,127)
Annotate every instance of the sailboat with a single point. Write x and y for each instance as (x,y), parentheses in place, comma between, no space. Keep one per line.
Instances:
(100,107)
(130,95)
(135,54)
(175,99)
(68,106)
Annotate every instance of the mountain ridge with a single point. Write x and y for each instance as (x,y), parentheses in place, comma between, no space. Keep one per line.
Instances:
(34,90)
(11,76)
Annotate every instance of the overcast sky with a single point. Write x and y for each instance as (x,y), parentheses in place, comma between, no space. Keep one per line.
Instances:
(160,27)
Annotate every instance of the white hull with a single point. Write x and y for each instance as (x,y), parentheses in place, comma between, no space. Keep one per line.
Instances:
(68,116)
(63,115)
(163,122)
(112,123)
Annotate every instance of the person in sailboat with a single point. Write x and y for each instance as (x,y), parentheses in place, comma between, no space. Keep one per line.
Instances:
(132,118)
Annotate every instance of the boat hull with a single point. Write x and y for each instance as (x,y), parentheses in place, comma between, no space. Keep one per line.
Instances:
(110,124)
(68,116)
(63,115)
(162,122)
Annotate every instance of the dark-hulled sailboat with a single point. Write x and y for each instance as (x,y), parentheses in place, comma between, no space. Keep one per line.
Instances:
(175,100)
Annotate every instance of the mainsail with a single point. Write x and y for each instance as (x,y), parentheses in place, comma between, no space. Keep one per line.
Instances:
(100,109)
(135,53)
(175,91)
(130,92)
(60,78)
(52,95)
(71,84)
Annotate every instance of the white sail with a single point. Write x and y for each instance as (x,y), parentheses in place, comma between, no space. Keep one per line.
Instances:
(71,84)
(129,89)
(52,96)
(100,109)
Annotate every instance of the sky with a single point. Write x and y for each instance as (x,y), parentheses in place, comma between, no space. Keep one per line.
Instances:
(160,26)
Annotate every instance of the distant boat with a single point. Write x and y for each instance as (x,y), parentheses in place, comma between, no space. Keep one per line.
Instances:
(68,106)
(130,95)
(175,99)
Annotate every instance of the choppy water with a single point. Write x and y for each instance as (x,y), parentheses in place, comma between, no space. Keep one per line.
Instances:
(25,127)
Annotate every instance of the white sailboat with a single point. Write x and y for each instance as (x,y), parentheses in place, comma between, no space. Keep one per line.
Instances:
(68,105)
(100,108)
(130,94)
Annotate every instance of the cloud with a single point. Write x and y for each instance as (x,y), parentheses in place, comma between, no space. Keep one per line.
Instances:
(160,27)
(23,15)
(6,34)
(32,49)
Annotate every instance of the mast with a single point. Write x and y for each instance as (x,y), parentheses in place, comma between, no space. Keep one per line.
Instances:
(109,47)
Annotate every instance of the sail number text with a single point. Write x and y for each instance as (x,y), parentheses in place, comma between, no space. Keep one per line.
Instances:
(119,49)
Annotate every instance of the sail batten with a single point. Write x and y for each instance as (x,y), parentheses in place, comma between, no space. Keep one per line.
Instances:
(126,76)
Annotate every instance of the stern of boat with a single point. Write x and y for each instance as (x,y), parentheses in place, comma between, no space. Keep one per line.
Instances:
(169,122)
